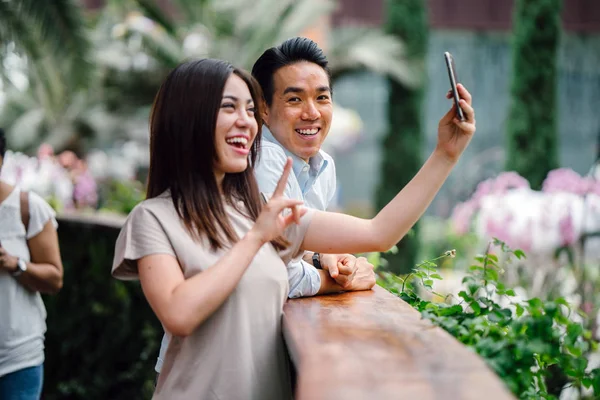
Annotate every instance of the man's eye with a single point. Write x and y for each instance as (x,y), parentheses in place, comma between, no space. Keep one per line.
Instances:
(294,99)
(323,97)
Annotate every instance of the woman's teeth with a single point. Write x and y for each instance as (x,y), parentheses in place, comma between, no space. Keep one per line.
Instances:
(238,141)
(308,131)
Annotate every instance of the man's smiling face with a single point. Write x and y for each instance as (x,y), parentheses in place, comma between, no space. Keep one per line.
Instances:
(301,110)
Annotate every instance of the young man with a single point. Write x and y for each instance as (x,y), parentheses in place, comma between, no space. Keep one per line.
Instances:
(296,85)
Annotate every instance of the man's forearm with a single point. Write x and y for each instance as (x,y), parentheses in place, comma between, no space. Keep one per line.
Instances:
(328,284)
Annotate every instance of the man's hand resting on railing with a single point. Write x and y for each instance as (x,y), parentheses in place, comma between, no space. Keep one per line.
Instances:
(344,272)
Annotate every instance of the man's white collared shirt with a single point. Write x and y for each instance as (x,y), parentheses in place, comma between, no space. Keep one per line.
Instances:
(313,182)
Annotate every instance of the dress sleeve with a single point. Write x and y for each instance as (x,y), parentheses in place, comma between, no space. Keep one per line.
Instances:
(142,234)
(40,213)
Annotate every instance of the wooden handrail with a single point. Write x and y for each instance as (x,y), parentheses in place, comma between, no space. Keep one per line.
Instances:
(366,345)
(373,345)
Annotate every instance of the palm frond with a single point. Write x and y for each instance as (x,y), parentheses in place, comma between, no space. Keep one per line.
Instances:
(304,14)
(193,10)
(14,27)
(158,43)
(61,27)
(255,29)
(152,11)
(26,129)
(364,48)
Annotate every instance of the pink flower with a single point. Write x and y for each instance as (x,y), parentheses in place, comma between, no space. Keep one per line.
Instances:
(45,151)
(85,192)
(566,228)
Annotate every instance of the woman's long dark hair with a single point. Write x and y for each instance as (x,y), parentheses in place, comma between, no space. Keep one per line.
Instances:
(183,151)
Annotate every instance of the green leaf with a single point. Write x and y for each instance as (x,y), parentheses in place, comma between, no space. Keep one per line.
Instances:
(476,268)
(574,331)
(447,311)
(492,257)
(519,310)
(475,307)
(465,296)
(435,276)
(519,254)
(491,274)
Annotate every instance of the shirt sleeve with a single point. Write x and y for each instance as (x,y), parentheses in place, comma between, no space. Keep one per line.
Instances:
(40,213)
(141,235)
(303,278)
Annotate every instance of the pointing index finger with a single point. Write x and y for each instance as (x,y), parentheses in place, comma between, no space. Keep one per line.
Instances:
(280,189)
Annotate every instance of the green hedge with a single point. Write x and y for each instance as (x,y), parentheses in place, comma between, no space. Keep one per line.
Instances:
(532,140)
(403,144)
(102,338)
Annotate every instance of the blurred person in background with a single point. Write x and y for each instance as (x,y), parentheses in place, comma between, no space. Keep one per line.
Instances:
(211,256)
(30,264)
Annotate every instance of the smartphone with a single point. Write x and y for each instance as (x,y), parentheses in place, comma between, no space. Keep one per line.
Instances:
(453,81)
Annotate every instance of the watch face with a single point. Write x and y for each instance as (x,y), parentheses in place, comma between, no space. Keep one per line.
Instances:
(22,265)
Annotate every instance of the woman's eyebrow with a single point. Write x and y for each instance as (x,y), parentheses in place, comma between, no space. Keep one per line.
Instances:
(234,98)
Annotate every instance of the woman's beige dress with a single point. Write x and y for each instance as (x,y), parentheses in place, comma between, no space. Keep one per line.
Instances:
(238,353)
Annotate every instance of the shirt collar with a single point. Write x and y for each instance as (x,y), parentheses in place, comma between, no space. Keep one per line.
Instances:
(316,163)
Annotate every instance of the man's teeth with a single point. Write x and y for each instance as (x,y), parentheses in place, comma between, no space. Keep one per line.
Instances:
(308,131)
(240,140)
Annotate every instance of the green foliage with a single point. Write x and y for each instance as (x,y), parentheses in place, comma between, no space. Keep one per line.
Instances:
(532,135)
(535,346)
(402,145)
(121,196)
(48,32)
(102,338)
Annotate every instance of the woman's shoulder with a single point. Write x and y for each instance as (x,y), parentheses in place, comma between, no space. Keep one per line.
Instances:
(159,208)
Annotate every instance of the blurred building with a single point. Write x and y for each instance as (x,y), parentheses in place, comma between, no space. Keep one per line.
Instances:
(478,34)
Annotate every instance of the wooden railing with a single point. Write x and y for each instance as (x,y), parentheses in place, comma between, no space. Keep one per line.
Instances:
(361,345)
(373,345)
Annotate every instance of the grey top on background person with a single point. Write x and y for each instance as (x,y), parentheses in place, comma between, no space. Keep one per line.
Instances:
(243,356)
(22,312)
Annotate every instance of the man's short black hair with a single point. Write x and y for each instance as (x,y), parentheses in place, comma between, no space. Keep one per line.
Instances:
(291,51)
(2,143)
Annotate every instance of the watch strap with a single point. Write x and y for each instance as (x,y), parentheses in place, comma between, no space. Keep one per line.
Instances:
(21,267)
(316,258)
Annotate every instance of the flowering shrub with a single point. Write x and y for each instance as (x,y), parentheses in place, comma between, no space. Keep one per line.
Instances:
(540,349)
(539,222)
(63,180)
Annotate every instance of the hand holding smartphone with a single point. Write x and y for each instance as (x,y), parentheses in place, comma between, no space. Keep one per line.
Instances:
(453,81)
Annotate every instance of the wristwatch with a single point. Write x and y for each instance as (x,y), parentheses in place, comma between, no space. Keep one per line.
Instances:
(317,260)
(21,267)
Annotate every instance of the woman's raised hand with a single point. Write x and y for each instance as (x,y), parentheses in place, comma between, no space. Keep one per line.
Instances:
(272,221)
(454,135)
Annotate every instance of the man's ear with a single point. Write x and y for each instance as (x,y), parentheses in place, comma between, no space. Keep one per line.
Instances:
(264,112)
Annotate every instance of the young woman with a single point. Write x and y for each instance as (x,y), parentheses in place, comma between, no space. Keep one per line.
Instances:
(211,258)
(30,264)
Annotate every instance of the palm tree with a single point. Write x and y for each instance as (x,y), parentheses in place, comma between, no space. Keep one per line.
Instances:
(49,40)
(51,35)
(230,30)
(134,43)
